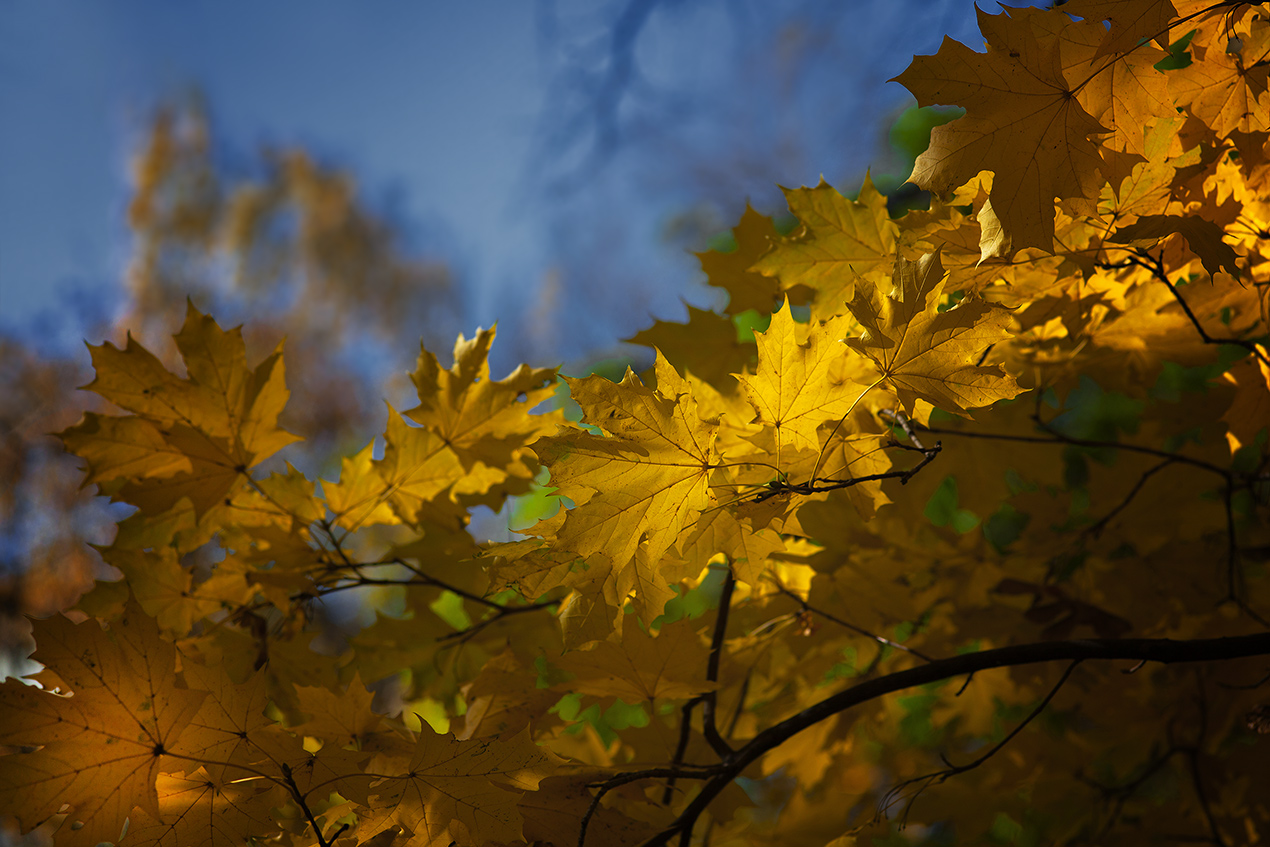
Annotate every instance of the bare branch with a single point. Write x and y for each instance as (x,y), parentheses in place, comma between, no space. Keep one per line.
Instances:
(710,698)
(939,776)
(807,607)
(1163,650)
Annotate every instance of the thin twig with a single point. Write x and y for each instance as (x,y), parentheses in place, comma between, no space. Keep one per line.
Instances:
(940,776)
(807,607)
(1095,529)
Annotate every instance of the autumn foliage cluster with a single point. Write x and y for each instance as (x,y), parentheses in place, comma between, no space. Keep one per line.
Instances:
(950,528)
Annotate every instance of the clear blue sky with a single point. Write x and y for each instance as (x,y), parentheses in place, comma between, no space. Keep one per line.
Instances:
(444,108)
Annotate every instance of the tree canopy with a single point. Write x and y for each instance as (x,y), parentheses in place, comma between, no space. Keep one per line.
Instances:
(949,528)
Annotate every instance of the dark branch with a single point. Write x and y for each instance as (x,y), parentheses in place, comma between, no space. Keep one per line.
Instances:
(710,699)
(1163,650)
(819,484)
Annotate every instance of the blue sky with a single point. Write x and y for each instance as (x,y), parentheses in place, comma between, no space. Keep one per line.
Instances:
(462,119)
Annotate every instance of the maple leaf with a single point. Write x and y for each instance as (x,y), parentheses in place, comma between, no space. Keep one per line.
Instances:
(1249,410)
(1227,87)
(468,789)
(1126,95)
(206,809)
(724,530)
(230,720)
(838,239)
(926,354)
(191,438)
(496,699)
(123,447)
(162,587)
(706,346)
(1022,122)
(641,667)
(359,496)
(344,717)
(1130,22)
(483,421)
(806,376)
(653,466)
(103,748)
(732,271)
(1203,237)
(416,467)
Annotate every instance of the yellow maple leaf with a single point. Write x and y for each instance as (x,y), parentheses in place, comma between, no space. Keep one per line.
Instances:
(118,447)
(1203,237)
(706,346)
(838,239)
(641,667)
(189,437)
(206,809)
(806,376)
(231,719)
(732,533)
(103,748)
(416,467)
(732,270)
(1023,122)
(1226,85)
(358,497)
(484,421)
(467,789)
(1129,22)
(344,718)
(652,465)
(1249,411)
(161,586)
(925,354)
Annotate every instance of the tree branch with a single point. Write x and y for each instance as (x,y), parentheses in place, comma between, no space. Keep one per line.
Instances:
(709,726)
(1162,650)
(939,776)
(807,607)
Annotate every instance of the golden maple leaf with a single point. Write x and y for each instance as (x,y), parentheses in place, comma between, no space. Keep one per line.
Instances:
(467,789)
(1022,122)
(806,376)
(706,346)
(925,354)
(652,465)
(838,239)
(641,667)
(103,748)
(189,437)
(1226,87)
(1249,410)
(1129,21)
(481,420)
(732,270)
(1203,237)
(206,808)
